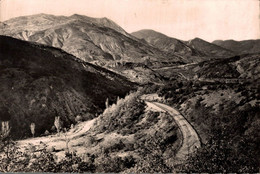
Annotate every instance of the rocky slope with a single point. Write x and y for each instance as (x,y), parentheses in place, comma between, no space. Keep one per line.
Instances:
(96,40)
(90,39)
(40,82)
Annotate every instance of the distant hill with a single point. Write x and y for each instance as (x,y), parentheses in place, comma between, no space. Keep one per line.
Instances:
(40,82)
(165,43)
(209,49)
(240,47)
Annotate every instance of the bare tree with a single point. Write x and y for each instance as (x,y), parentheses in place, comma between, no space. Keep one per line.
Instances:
(66,139)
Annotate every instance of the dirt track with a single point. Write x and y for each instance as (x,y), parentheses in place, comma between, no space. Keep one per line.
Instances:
(190,140)
(59,141)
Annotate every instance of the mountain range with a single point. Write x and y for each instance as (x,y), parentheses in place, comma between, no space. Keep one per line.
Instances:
(90,39)
(102,42)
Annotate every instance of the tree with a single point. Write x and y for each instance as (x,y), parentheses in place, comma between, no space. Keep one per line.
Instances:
(107,103)
(32,127)
(5,129)
(57,124)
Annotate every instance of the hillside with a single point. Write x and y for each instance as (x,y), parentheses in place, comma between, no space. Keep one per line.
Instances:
(241,67)
(240,47)
(225,114)
(234,69)
(40,82)
(116,141)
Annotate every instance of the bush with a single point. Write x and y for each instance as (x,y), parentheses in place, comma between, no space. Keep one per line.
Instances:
(125,113)
(78,118)
(108,164)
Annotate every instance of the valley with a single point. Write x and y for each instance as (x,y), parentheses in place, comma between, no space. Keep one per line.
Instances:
(80,94)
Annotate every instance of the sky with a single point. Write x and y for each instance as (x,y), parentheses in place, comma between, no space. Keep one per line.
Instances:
(182,19)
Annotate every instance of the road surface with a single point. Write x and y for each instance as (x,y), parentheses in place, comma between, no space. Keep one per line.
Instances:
(190,140)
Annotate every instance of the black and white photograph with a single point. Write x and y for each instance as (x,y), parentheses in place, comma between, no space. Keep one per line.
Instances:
(130,86)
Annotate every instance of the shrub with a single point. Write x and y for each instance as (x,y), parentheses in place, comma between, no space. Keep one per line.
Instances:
(78,118)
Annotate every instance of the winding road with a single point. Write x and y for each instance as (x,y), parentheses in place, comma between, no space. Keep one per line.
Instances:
(190,139)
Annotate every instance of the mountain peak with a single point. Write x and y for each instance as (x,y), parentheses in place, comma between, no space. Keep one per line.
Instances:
(147,33)
(198,39)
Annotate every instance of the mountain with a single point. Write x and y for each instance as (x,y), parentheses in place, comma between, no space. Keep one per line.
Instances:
(98,40)
(209,49)
(165,43)
(40,82)
(240,47)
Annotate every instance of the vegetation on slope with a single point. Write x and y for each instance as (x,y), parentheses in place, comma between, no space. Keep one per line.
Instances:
(126,137)
(39,83)
(226,116)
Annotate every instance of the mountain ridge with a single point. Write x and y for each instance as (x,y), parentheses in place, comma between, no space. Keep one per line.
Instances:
(240,47)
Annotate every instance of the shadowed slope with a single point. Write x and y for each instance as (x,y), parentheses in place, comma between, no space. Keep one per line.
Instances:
(40,82)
